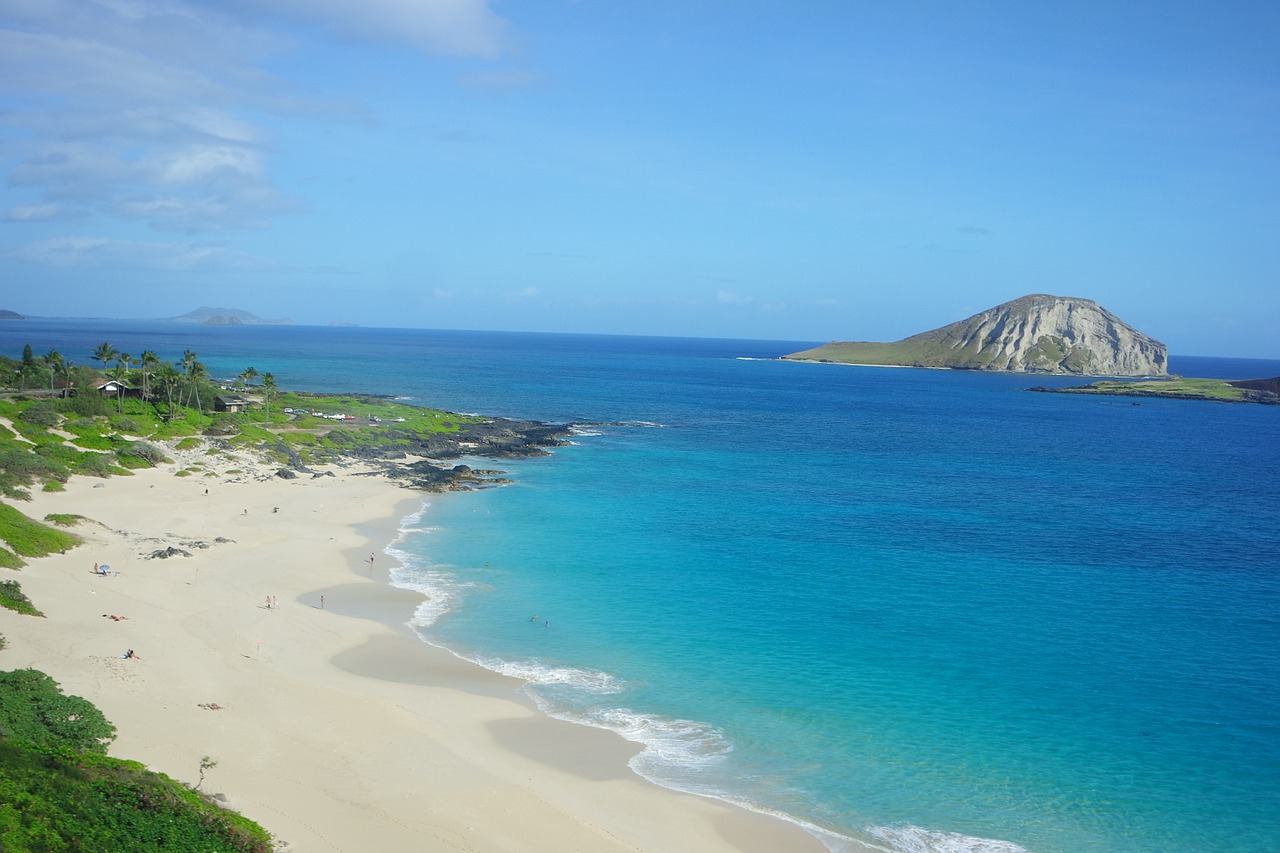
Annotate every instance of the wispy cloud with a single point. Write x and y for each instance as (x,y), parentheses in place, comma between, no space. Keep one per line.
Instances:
(446,27)
(728,297)
(100,96)
(104,253)
(975,231)
(42,213)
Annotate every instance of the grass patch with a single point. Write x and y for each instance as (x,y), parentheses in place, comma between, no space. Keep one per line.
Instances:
(93,442)
(13,598)
(189,443)
(64,519)
(30,538)
(1184,389)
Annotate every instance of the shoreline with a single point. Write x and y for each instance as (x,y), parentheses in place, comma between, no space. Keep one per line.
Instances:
(339,728)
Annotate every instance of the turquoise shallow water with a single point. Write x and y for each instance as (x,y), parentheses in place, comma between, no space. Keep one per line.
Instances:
(920,607)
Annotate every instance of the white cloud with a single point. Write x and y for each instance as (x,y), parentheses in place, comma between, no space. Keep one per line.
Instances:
(105,253)
(42,213)
(728,297)
(447,27)
(147,110)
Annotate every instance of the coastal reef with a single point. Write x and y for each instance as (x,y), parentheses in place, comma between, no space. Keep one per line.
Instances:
(1034,334)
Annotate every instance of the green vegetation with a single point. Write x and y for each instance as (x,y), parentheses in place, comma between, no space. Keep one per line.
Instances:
(60,792)
(64,519)
(35,712)
(31,538)
(55,437)
(13,598)
(1184,389)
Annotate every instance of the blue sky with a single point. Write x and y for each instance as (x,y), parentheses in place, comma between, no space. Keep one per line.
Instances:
(803,170)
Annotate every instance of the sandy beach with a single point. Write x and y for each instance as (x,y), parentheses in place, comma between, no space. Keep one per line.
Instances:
(331,724)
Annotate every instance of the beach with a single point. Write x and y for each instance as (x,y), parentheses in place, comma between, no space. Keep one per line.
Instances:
(330,722)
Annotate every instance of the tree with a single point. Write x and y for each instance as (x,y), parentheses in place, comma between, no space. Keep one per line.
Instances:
(206,763)
(196,373)
(169,379)
(53,361)
(149,362)
(65,369)
(105,354)
(247,376)
(268,388)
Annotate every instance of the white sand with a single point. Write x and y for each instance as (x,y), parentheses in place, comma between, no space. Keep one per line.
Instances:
(339,729)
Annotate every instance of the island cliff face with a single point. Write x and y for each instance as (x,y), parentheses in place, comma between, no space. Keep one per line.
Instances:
(1034,334)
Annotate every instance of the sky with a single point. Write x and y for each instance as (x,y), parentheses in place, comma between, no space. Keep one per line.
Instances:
(801,170)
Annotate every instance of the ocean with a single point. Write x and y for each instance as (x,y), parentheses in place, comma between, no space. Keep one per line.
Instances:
(923,609)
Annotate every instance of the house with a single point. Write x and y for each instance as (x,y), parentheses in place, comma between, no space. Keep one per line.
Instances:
(115,388)
(230,403)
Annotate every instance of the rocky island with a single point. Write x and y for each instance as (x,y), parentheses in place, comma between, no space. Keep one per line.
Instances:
(1034,334)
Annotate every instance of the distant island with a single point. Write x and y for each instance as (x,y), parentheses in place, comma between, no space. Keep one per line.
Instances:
(226,317)
(1034,334)
(10,315)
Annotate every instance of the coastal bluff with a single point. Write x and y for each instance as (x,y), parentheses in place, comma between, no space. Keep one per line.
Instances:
(1038,333)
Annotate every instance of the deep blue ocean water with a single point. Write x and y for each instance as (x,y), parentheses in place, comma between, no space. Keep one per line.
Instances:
(918,607)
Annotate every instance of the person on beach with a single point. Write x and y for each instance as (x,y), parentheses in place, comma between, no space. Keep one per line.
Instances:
(115,618)
(130,655)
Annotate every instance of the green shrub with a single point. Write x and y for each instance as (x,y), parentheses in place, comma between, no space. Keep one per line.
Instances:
(96,464)
(64,519)
(10,560)
(144,450)
(189,443)
(54,486)
(41,414)
(124,423)
(30,538)
(87,404)
(21,468)
(35,712)
(56,800)
(13,598)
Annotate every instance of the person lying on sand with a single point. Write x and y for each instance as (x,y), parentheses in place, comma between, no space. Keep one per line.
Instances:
(130,655)
(211,706)
(115,618)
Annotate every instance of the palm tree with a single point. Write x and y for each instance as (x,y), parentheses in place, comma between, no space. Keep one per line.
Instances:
(118,373)
(53,361)
(65,369)
(197,373)
(105,353)
(268,386)
(169,378)
(247,376)
(188,359)
(150,361)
